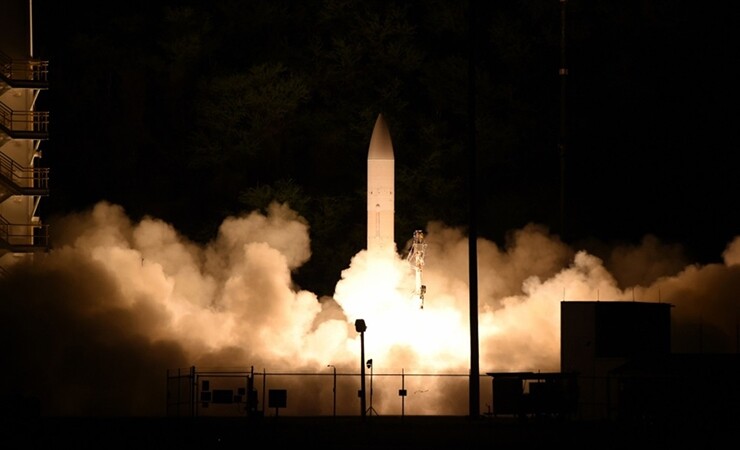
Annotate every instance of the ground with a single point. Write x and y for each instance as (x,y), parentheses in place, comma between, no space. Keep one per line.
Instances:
(372,432)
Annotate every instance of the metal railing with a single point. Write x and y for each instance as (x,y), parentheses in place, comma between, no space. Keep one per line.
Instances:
(23,70)
(24,177)
(19,121)
(210,392)
(23,237)
(645,398)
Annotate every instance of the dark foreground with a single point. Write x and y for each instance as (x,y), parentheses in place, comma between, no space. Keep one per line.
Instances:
(372,432)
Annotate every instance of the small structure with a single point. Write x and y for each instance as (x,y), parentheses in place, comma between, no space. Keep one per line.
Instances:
(277,398)
(525,394)
(416,259)
(597,337)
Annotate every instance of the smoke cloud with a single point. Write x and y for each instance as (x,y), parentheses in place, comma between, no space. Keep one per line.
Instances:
(93,326)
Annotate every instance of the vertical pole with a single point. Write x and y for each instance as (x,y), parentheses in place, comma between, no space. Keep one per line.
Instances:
(403,397)
(179,380)
(371,391)
(264,387)
(252,399)
(563,72)
(30,28)
(363,412)
(474,383)
(194,392)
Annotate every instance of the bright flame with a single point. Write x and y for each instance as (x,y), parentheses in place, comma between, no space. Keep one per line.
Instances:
(378,288)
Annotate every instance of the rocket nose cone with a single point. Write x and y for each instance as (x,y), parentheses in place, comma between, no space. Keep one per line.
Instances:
(381,146)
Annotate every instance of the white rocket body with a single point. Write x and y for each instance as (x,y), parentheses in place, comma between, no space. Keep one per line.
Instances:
(380,190)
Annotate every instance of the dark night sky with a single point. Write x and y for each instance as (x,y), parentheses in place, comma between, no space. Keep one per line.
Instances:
(650,115)
(652,128)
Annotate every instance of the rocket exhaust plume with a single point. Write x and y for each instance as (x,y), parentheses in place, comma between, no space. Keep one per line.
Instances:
(380,189)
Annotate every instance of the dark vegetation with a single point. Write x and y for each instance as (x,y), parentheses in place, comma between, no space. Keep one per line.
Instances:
(190,111)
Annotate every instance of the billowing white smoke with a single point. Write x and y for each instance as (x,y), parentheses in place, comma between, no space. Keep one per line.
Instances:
(92,327)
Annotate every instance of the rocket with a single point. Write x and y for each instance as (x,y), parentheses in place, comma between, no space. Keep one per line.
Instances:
(380,189)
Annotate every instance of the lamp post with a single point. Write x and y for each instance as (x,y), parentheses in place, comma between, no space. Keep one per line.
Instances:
(369,364)
(360,327)
(334,389)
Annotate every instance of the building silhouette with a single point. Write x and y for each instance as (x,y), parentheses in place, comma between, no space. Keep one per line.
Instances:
(617,365)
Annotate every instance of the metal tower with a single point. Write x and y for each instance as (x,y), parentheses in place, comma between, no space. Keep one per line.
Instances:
(22,130)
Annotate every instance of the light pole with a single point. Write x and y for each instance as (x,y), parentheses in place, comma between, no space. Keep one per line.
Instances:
(371,410)
(360,327)
(334,389)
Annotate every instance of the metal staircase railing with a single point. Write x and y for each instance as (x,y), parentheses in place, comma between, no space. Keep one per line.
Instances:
(27,74)
(16,178)
(30,73)
(23,238)
(24,180)
(24,124)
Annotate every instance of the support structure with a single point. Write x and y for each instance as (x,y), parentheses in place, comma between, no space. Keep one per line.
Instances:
(416,259)
(23,182)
